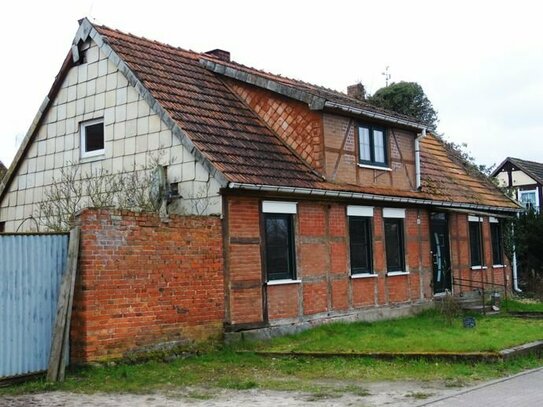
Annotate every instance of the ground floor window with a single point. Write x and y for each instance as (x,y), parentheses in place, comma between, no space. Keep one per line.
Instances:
(279,253)
(475,241)
(394,244)
(394,239)
(360,244)
(497,246)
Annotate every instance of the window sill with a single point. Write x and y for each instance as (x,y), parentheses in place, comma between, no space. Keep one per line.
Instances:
(499,266)
(364,275)
(478,267)
(374,167)
(397,273)
(92,158)
(283,282)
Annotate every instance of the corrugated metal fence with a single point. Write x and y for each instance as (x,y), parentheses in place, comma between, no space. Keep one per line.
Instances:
(31,268)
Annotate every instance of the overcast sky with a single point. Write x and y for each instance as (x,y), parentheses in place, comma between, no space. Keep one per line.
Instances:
(480,63)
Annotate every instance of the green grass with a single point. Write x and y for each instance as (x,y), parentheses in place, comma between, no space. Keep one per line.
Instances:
(522,306)
(226,369)
(424,333)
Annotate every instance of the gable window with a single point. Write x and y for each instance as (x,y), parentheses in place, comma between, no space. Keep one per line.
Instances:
(372,145)
(394,239)
(92,138)
(360,239)
(475,241)
(497,247)
(279,254)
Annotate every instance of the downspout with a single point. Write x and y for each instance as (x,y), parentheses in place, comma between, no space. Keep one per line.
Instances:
(417,158)
(515,270)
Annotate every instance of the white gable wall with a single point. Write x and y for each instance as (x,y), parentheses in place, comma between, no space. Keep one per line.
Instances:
(518,177)
(134,137)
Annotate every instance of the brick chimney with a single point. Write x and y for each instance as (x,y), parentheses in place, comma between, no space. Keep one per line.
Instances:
(220,54)
(357,91)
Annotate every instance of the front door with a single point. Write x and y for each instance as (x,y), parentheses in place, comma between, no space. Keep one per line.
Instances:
(441,259)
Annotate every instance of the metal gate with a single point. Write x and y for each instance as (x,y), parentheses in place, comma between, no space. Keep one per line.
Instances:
(31,268)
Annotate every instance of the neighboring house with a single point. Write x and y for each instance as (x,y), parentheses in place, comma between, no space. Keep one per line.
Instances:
(329,206)
(524,177)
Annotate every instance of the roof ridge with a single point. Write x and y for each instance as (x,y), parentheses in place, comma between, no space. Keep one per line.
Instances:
(140,37)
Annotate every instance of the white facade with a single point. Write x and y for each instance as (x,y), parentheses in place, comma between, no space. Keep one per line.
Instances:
(519,178)
(134,137)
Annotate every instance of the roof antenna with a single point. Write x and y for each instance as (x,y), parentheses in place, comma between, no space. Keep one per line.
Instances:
(387,76)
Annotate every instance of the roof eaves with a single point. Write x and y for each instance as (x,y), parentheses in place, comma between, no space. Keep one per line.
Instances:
(374,115)
(374,197)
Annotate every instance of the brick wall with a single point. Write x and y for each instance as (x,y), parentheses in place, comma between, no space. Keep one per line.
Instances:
(322,264)
(461,260)
(142,281)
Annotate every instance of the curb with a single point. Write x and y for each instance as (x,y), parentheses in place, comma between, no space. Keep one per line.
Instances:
(503,355)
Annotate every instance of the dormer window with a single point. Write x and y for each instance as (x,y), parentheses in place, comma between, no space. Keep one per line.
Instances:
(372,142)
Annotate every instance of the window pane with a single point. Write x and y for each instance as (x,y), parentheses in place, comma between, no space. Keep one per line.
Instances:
(279,247)
(496,235)
(364,142)
(475,243)
(394,244)
(360,244)
(528,198)
(379,146)
(94,137)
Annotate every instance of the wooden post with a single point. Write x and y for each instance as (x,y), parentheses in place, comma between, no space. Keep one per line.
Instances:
(61,332)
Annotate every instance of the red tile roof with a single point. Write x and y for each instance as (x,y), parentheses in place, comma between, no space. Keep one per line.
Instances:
(234,139)
(223,128)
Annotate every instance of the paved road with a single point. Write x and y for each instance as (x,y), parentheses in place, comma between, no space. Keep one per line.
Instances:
(524,389)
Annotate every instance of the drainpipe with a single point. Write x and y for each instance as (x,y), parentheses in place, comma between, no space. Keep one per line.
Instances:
(417,158)
(515,275)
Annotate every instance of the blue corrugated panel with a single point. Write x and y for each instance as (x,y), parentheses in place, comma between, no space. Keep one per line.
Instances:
(31,268)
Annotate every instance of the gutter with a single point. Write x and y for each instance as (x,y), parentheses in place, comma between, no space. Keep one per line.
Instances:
(374,115)
(365,196)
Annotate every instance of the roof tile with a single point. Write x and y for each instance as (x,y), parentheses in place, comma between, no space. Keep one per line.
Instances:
(228,133)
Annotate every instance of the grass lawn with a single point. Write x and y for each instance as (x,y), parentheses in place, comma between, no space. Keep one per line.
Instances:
(427,332)
(225,368)
(522,305)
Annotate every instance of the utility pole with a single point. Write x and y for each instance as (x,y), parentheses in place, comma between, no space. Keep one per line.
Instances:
(386,75)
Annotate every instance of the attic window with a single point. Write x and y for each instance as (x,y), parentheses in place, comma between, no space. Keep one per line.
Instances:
(92,138)
(372,145)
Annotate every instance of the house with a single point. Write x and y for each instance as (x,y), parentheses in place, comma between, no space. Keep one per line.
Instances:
(326,206)
(524,177)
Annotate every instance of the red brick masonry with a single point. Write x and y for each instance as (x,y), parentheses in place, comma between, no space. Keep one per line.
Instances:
(142,281)
(325,287)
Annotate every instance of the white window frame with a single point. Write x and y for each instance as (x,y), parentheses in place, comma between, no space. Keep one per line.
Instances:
(529,191)
(82,130)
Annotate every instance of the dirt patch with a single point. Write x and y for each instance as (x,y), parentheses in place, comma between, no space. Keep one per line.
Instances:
(397,394)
